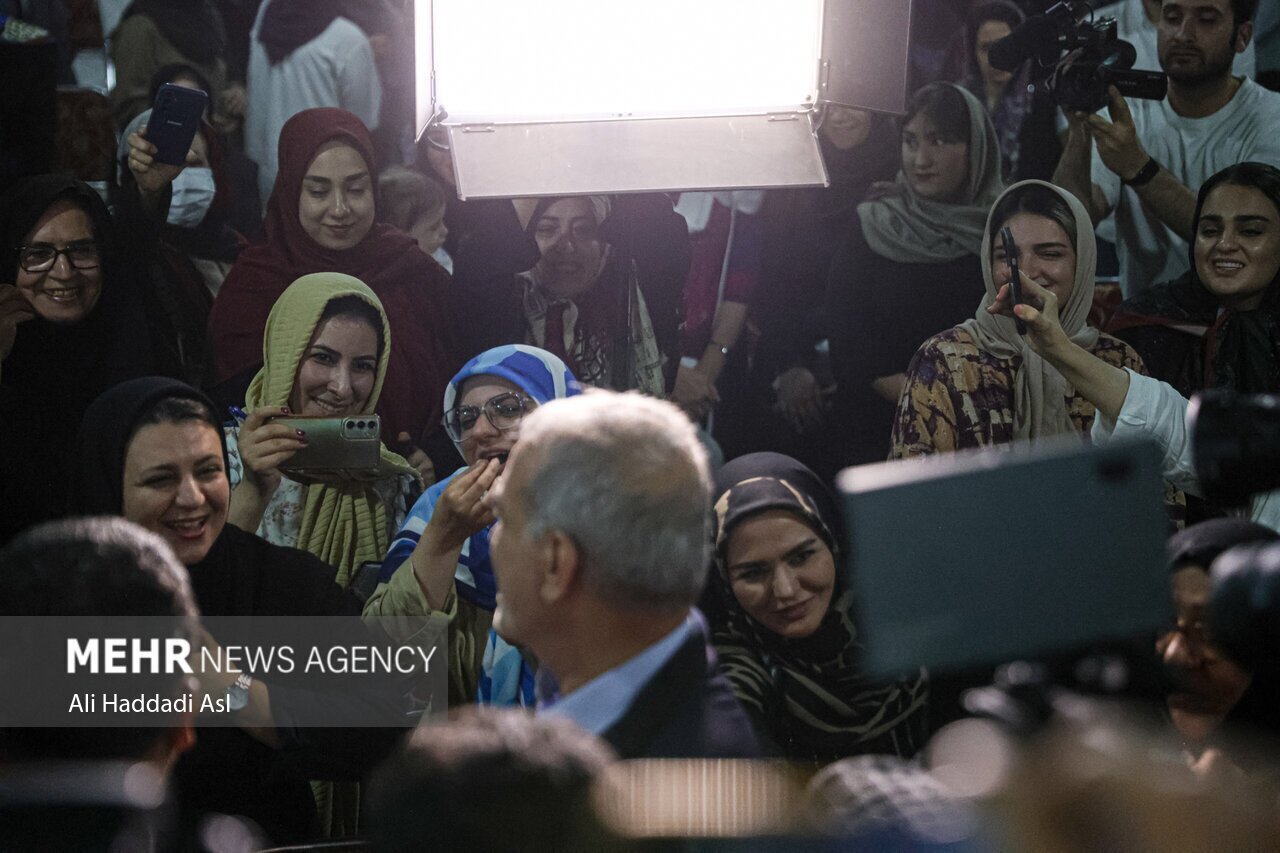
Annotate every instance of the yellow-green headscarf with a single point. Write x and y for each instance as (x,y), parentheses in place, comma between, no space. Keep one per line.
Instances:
(344,522)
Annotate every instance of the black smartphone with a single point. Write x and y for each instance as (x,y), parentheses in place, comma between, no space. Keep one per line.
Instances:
(175,118)
(1015,278)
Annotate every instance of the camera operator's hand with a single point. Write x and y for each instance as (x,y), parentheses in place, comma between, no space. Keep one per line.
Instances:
(1118,144)
(1039,311)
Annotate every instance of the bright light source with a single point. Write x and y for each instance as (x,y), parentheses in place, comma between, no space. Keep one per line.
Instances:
(513,60)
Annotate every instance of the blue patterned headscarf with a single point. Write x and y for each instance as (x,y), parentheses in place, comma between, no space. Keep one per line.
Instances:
(538,373)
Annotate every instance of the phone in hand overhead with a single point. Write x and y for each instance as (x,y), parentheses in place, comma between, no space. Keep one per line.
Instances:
(1015,277)
(350,443)
(175,118)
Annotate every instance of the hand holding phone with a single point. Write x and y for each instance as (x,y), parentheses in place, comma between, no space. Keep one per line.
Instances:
(1015,275)
(175,117)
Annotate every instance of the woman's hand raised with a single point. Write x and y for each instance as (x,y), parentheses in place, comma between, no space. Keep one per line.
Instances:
(265,446)
(152,176)
(1038,310)
(461,511)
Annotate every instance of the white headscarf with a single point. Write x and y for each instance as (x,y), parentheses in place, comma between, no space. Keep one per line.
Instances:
(1039,391)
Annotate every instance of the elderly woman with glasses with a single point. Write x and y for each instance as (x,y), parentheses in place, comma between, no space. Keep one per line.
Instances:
(437,569)
(72,324)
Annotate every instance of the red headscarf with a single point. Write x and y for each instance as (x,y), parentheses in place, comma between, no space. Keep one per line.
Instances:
(411,286)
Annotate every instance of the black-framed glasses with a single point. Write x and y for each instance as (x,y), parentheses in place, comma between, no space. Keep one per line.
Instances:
(503,411)
(82,254)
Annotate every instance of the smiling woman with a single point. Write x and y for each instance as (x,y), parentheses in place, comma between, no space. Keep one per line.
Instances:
(782,620)
(60,344)
(326,353)
(322,218)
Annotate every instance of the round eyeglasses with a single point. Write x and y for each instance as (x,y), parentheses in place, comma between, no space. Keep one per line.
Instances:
(82,255)
(503,411)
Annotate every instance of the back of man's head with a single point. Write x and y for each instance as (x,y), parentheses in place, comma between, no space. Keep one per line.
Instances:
(626,478)
(491,780)
(95,567)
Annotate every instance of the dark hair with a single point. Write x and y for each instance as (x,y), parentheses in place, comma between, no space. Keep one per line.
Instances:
(1242,11)
(945,107)
(355,306)
(449,781)
(1259,176)
(997,10)
(1037,199)
(1200,544)
(95,567)
(175,410)
(406,194)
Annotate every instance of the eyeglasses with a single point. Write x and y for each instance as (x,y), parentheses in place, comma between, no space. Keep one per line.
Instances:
(82,255)
(503,411)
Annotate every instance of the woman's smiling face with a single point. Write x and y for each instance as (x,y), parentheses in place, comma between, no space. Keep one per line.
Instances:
(1237,249)
(338,369)
(781,572)
(66,292)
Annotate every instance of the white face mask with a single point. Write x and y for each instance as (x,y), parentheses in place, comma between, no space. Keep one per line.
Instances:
(193,192)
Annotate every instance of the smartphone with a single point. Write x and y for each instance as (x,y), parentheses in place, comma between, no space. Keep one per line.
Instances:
(1015,278)
(336,444)
(175,118)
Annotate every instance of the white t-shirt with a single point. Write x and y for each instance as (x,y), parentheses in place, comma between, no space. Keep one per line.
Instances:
(1192,150)
(335,69)
(1155,410)
(1133,26)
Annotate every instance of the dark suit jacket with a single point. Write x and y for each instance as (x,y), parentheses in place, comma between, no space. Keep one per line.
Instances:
(687,710)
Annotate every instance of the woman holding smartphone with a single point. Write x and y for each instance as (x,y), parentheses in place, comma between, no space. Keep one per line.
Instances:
(325,354)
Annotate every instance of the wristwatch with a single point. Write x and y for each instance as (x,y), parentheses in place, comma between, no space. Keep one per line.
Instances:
(238,693)
(1145,174)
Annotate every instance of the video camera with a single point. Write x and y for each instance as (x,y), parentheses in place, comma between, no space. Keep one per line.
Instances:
(1236,438)
(1083,56)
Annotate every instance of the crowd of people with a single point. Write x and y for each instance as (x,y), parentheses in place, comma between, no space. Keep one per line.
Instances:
(610,424)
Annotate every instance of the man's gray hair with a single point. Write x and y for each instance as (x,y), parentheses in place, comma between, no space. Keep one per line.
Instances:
(626,478)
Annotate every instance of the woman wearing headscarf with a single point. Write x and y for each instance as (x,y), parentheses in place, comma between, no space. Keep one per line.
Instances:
(582,299)
(321,218)
(1023,115)
(152,450)
(1234,255)
(782,623)
(910,265)
(325,354)
(155,33)
(72,324)
(981,383)
(437,569)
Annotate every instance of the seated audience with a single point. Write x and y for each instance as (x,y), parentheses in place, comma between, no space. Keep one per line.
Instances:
(1210,691)
(415,203)
(725,238)
(73,324)
(1024,116)
(304,56)
(438,565)
(156,33)
(982,383)
(782,623)
(1131,404)
(1152,156)
(449,782)
(599,551)
(581,298)
(910,265)
(95,567)
(1218,325)
(326,353)
(803,228)
(321,218)
(152,450)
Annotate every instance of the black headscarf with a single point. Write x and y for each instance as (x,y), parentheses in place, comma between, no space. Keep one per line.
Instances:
(193,27)
(1200,544)
(808,693)
(1242,348)
(109,423)
(289,24)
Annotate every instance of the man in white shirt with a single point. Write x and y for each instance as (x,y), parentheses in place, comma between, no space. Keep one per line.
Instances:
(1152,156)
(1137,22)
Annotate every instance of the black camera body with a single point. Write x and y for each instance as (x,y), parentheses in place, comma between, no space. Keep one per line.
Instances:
(1083,57)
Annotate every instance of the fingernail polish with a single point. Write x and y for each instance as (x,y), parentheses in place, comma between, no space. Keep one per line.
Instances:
(301,434)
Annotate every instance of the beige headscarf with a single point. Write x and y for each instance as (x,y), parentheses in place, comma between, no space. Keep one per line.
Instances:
(912,230)
(1039,391)
(344,522)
